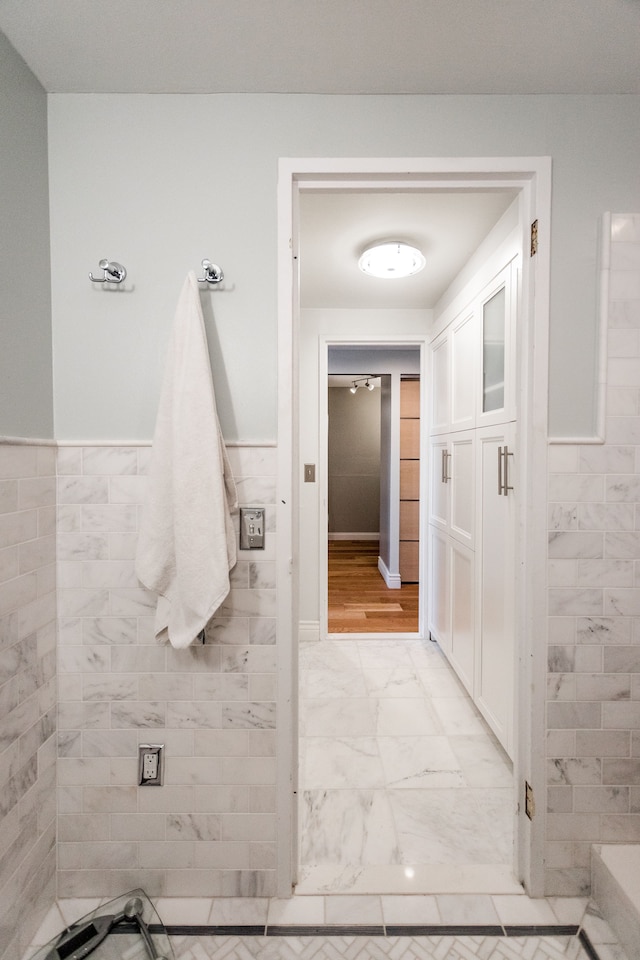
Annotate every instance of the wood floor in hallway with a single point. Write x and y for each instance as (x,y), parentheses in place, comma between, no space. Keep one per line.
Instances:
(359,601)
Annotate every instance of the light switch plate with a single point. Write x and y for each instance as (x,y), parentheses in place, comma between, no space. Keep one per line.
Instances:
(252,528)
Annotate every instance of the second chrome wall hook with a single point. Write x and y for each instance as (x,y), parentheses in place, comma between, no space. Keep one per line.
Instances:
(112,272)
(212,273)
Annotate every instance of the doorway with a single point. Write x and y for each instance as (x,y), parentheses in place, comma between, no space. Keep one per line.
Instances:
(369,568)
(457,175)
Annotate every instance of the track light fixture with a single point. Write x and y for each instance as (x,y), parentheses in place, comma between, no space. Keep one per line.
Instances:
(363,382)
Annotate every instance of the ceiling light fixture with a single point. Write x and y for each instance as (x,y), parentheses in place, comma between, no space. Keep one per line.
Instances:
(391,260)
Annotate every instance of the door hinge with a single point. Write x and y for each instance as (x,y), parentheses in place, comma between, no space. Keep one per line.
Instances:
(529,802)
(534,238)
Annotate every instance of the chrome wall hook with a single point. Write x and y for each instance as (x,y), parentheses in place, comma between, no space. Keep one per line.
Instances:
(112,272)
(212,273)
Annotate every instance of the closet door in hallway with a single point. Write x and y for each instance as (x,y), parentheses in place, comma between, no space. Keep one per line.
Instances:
(494,681)
(472,501)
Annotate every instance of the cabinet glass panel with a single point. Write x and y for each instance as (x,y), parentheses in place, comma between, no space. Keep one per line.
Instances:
(493,337)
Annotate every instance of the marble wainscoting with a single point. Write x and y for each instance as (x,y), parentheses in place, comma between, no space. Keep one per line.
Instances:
(27,691)
(210,829)
(593,708)
(404,788)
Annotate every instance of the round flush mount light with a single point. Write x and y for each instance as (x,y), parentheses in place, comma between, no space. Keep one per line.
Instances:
(391,260)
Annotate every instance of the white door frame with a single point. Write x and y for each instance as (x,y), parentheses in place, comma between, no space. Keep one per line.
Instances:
(419,342)
(532,177)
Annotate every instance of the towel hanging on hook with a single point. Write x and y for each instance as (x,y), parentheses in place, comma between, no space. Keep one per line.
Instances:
(212,273)
(112,272)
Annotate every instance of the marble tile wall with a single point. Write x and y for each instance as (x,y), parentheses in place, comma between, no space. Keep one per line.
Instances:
(210,829)
(27,691)
(593,703)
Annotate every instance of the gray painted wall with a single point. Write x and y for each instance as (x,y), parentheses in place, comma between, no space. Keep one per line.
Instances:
(26,392)
(159,182)
(354,461)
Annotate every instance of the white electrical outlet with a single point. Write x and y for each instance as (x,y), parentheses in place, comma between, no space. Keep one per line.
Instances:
(150,757)
(149,766)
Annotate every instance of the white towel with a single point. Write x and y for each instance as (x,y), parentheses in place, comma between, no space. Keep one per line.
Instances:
(186,545)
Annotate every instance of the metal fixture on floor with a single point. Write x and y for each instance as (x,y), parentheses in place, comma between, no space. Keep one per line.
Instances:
(79,940)
(124,916)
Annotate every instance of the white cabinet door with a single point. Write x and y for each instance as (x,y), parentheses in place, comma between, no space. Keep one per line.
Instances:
(463,340)
(452,485)
(462,653)
(495,664)
(440,403)
(439,606)
(462,492)
(472,521)
(439,483)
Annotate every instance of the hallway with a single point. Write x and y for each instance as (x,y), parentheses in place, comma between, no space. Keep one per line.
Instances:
(358,599)
(403,788)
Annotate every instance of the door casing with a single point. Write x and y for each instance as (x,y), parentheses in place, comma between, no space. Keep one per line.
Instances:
(532,177)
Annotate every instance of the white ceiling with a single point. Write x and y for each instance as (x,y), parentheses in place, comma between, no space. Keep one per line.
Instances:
(335,228)
(328,46)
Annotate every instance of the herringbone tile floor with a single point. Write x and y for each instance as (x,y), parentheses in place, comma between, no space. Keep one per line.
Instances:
(378,948)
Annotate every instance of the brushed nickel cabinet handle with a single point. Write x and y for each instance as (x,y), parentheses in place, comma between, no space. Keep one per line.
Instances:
(503,471)
(445,475)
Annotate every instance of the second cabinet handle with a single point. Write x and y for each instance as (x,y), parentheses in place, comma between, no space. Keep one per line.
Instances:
(445,476)
(503,471)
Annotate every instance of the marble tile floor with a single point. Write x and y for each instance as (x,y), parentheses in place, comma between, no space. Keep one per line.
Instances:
(405,928)
(368,947)
(404,789)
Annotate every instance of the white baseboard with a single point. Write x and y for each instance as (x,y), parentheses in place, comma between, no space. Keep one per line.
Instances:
(392,580)
(309,631)
(353,536)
